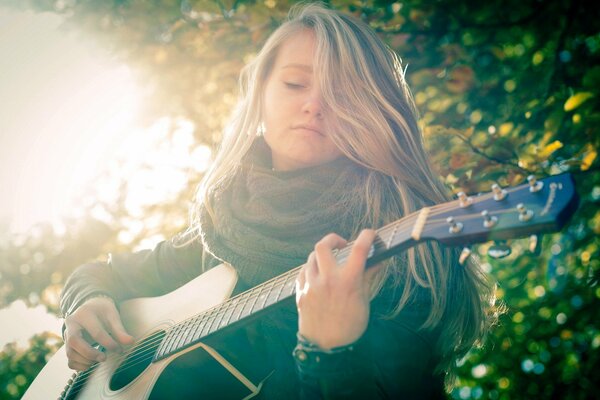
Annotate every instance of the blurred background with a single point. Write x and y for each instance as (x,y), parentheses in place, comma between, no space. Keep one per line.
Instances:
(110,112)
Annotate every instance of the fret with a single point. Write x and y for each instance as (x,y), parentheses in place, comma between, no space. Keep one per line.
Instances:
(172,338)
(218,316)
(189,338)
(163,345)
(200,326)
(281,286)
(189,327)
(181,335)
(289,287)
(197,328)
(276,287)
(247,307)
(227,315)
(209,321)
(239,307)
(267,288)
(390,239)
(254,296)
(262,297)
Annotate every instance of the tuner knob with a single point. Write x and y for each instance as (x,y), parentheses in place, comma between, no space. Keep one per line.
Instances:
(499,250)
(455,227)
(488,220)
(534,184)
(463,200)
(524,214)
(464,255)
(499,193)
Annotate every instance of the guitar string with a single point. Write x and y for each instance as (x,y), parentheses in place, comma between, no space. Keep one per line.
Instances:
(252,294)
(143,353)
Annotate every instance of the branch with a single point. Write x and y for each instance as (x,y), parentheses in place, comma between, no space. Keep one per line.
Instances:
(557,69)
(496,160)
(463,23)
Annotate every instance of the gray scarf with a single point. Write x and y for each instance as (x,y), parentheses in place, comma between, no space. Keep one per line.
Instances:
(267,222)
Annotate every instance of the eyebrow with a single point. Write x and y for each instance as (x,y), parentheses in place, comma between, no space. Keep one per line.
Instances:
(303,67)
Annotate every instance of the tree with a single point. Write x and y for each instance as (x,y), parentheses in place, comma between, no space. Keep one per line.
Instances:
(505,89)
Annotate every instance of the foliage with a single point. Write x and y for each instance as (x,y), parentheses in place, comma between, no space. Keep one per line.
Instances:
(18,367)
(505,88)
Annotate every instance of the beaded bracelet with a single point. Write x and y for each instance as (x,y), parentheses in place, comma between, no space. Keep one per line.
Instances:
(306,350)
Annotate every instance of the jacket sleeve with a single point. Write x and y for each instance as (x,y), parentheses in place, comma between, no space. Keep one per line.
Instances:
(140,274)
(391,360)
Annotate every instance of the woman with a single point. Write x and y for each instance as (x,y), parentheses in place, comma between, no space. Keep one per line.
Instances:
(324,139)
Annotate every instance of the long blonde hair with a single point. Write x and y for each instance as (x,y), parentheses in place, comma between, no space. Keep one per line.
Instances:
(363,85)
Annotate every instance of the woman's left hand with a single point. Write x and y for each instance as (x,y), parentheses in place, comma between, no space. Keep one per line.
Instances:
(333,300)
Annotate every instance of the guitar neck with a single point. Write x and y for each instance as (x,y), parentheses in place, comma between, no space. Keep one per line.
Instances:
(274,291)
(540,206)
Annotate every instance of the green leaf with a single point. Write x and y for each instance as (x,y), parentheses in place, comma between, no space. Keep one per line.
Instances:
(576,100)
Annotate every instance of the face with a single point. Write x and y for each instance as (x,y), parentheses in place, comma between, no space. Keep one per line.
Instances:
(293,114)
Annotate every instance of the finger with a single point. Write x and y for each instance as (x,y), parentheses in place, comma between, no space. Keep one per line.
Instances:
(74,357)
(77,366)
(361,247)
(98,333)
(312,270)
(115,326)
(80,350)
(301,278)
(326,260)
(300,281)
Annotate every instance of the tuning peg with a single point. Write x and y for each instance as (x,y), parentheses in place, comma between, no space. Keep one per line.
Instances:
(488,220)
(499,250)
(464,255)
(524,214)
(499,193)
(463,200)
(455,227)
(534,184)
(535,244)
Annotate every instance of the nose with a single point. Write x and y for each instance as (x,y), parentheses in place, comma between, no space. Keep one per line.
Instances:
(313,104)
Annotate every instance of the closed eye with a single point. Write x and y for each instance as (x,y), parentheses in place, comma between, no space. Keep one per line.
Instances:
(292,85)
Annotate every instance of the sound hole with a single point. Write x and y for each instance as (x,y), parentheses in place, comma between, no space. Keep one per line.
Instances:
(136,361)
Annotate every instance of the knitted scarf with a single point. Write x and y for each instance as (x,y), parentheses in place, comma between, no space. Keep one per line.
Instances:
(266,222)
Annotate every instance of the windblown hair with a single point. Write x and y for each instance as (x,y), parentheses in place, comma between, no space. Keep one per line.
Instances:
(363,85)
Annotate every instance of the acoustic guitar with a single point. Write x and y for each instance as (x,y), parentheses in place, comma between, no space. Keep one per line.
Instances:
(179,331)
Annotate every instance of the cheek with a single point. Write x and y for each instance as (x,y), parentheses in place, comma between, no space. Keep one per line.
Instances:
(333,151)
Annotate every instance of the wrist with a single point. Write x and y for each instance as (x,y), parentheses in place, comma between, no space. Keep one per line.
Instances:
(99,295)
(310,355)
(312,360)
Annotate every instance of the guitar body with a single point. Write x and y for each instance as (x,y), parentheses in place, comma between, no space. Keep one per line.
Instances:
(132,375)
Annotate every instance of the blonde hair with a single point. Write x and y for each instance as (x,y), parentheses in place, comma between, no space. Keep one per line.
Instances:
(363,85)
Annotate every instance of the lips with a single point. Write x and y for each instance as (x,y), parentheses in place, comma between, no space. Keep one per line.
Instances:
(308,128)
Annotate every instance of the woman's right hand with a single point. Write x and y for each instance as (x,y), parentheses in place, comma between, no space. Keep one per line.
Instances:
(96,321)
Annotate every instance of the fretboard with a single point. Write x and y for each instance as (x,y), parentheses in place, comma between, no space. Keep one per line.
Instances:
(248,303)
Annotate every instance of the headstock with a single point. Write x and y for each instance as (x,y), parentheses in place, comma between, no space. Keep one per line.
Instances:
(504,213)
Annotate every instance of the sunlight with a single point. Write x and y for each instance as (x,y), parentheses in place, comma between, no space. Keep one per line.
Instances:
(61,122)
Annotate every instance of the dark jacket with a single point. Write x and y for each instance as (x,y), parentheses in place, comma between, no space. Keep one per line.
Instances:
(393,359)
